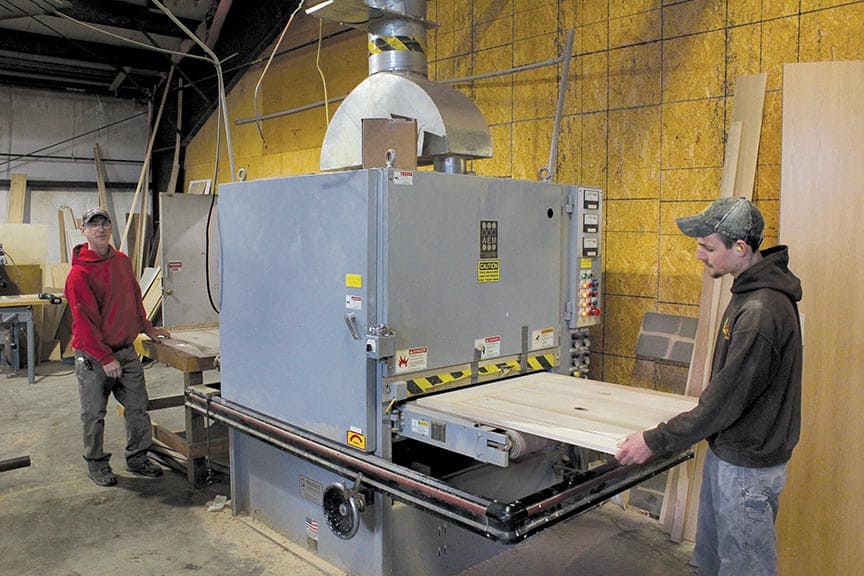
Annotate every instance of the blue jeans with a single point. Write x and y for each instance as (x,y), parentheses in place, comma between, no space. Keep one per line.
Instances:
(737,508)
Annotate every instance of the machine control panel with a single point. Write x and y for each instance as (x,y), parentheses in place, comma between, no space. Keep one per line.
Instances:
(586,227)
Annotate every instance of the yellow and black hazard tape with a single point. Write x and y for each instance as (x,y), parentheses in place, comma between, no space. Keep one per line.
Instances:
(380,44)
(431,383)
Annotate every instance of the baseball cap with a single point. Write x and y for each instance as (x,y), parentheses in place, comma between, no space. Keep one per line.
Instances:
(735,218)
(92,213)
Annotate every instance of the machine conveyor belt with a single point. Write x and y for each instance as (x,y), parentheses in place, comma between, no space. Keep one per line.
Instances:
(586,413)
(506,522)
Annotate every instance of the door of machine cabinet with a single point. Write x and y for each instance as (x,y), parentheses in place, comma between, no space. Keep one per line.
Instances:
(190,259)
(298,286)
(471,261)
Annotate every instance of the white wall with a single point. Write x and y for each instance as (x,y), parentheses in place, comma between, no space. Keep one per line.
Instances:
(33,119)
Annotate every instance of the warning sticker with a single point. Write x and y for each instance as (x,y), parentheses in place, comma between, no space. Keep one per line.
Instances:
(420,427)
(402,177)
(353,302)
(355,438)
(488,271)
(544,338)
(411,360)
(175,266)
(490,346)
(353,280)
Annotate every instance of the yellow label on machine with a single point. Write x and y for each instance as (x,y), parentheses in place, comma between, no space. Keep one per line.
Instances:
(355,439)
(488,271)
(353,280)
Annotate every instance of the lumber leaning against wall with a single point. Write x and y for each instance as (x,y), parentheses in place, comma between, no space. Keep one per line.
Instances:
(820,522)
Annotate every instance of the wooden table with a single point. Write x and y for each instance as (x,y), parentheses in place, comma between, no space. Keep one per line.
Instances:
(11,309)
(191,350)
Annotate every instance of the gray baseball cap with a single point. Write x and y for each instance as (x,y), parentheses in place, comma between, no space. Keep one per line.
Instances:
(735,218)
(92,213)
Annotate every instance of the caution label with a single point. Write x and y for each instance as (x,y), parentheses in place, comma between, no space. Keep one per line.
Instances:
(353,280)
(488,271)
(412,359)
(490,347)
(544,338)
(355,438)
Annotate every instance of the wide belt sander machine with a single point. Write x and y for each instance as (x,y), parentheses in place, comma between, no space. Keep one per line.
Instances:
(396,352)
(398,347)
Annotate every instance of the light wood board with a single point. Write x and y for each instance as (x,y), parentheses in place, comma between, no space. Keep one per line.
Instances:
(17,198)
(578,411)
(820,524)
(26,243)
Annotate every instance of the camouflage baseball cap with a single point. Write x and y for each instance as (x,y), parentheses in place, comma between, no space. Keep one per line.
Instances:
(92,213)
(735,218)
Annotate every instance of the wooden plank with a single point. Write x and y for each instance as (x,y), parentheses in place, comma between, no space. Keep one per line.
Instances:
(105,200)
(747,107)
(821,201)
(61,229)
(152,299)
(192,351)
(17,198)
(587,413)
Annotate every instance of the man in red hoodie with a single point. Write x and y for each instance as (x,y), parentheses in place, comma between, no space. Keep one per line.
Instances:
(107,316)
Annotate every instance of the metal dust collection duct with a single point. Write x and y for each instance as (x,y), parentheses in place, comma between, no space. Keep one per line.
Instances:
(450,128)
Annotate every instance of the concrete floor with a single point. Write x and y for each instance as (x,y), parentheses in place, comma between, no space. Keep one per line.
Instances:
(55,522)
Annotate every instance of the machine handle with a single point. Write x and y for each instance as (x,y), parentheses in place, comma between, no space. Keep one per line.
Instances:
(351,321)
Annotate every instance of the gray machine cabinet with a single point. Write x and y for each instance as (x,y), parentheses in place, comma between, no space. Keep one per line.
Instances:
(310,263)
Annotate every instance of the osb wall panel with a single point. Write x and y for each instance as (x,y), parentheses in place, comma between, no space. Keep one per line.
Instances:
(646,111)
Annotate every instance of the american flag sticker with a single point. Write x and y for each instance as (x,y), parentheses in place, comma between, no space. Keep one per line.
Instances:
(312,528)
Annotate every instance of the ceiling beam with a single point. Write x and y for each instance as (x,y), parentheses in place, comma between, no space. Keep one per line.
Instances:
(29,44)
(122,15)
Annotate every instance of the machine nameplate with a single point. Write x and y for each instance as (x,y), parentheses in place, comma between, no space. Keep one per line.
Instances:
(488,239)
(311,490)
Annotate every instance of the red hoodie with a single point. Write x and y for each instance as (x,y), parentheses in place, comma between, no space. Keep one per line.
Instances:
(105,298)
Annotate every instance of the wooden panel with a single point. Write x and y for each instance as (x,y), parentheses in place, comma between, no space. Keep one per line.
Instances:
(587,413)
(822,200)
(25,243)
(17,198)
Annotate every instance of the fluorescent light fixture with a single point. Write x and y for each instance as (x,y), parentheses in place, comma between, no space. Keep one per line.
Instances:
(319,6)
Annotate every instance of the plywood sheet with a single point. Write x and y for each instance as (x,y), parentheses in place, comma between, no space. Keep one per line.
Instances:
(25,243)
(821,202)
(578,411)
(17,198)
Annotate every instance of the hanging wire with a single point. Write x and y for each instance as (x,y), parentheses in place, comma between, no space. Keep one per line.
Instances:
(267,67)
(320,72)
(221,82)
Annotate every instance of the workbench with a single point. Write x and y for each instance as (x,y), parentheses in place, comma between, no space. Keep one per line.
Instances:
(14,309)
(192,351)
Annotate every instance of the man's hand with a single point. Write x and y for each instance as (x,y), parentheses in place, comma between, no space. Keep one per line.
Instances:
(633,450)
(157,333)
(113,369)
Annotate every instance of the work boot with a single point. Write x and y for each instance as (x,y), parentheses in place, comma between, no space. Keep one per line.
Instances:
(145,468)
(102,475)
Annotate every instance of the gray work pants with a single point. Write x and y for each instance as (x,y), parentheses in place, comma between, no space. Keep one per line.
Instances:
(129,389)
(735,533)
